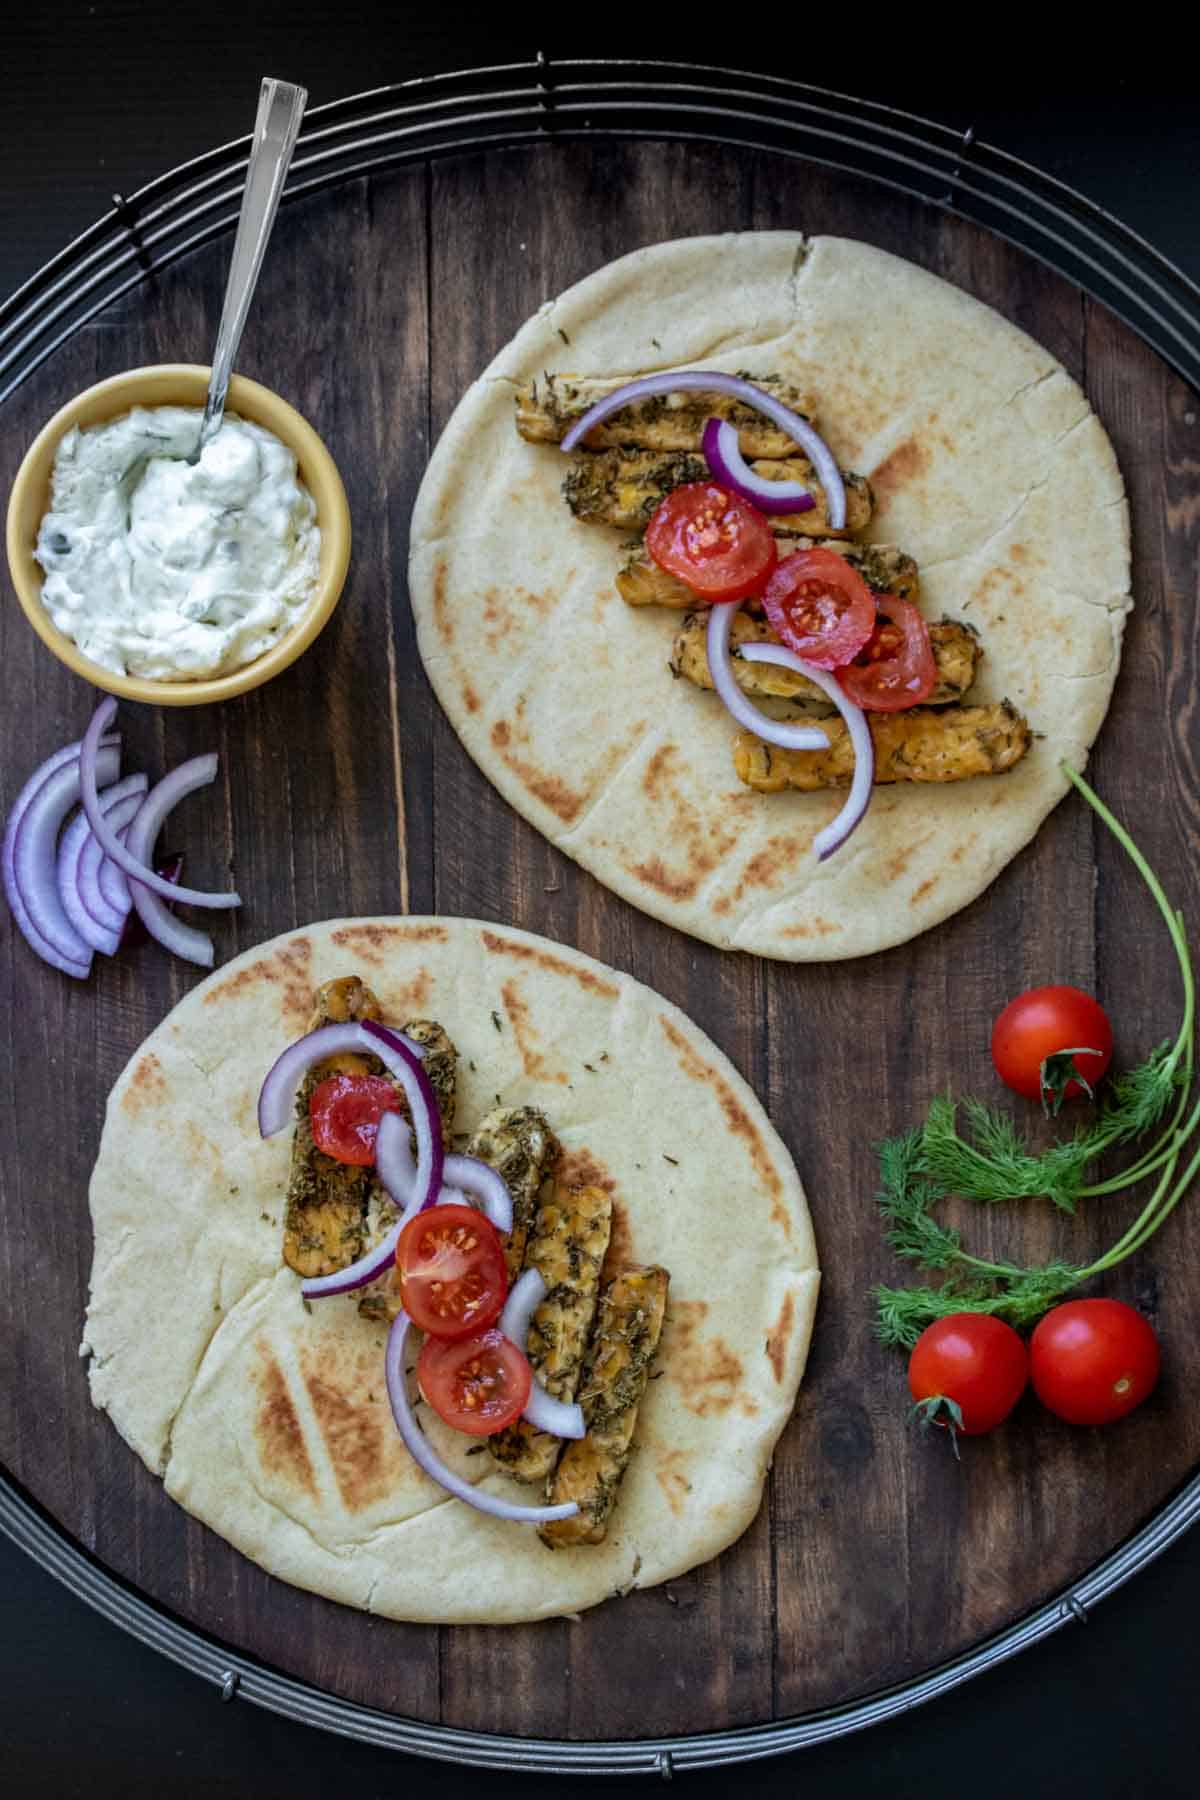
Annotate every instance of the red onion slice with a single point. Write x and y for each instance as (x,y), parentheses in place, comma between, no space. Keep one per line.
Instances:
(834,835)
(774,731)
(184,940)
(35,853)
(489,1188)
(562,1418)
(112,844)
(77,875)
(112,882)
(731,470)
(424,1454)
(711,381)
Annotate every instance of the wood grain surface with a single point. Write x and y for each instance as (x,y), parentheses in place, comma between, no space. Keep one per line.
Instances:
(344,790)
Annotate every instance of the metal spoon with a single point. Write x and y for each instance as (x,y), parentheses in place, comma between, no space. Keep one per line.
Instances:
(280,110)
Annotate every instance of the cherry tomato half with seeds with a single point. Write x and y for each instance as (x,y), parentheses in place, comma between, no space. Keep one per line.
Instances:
(967,1371)
(1092,1361)
(1051,1044)
(715,541)
(820,607)
(895,668)
(345,1110)
(453,1279)
(477,1384)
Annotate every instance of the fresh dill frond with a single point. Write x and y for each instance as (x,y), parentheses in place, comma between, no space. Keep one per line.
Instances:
(994,1162)
(905,1199)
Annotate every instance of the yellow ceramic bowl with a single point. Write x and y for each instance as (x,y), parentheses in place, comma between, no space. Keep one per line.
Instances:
(179,384)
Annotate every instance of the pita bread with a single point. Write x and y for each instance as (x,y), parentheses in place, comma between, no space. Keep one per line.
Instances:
(988,467)
(271,1423)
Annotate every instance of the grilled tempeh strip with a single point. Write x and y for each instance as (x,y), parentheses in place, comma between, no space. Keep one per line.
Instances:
(884,568)
(956,651)
(567,1247)
(326,1224)
(922,744)
(518,1143)
(624,488)
(546,410)
(617,1368)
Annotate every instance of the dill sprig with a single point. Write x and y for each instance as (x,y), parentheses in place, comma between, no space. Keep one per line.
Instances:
(991,1162)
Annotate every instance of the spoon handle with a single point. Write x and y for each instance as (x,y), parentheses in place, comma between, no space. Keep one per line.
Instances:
(280,110)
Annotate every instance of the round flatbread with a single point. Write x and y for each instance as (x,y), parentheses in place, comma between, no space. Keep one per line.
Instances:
(988,467)
(269,1420)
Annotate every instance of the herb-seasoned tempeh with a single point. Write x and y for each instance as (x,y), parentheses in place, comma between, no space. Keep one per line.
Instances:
(547,409)
(956,651)
(518,1143)
(624,488)
(617,1368)
(884,568)
(922,744)
(567,1247)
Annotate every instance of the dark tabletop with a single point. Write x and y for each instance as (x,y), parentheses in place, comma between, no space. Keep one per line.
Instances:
(99,98)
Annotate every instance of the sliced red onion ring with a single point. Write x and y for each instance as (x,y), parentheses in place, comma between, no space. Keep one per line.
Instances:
(711,381)
(77,879)
(69,965)
(487,1187)
(394,1163)
(113,846)
(35,853)
(192,945)
(424,1454)
(112,882)
(402,1058)
(562,1418)
(774,731)
(834,835)
(731,470)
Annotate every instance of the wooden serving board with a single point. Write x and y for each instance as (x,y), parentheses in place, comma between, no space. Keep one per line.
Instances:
(343,790)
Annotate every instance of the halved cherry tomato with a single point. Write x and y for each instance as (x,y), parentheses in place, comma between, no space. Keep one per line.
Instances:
(820,607)
(453,1280)
(895,667)
(478,1384)
(967,1371)
(714,540)
(1093,1361)
(345,1111)
(1052,1043)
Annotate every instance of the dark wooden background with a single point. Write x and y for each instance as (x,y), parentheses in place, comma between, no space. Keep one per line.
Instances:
(874,1556)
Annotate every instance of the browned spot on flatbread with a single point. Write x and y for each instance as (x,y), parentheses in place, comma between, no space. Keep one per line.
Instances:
(669,1470)
(807,928)
(201,1148)
(443,623)
(777,1341)
(704,1368)
(895,867)
(286,969)
(146,1085)
(554,965)
(528,1043)
(372,941)
(964,848)
(547,787)
(280,1439)
(470,698)
(692,842)
(620,1253)
(354,1441)
(919,893)
(736,1117)
(777,855)
(905,463)
(580,1168)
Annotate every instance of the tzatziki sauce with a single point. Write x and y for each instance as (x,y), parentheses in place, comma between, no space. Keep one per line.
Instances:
(158,567)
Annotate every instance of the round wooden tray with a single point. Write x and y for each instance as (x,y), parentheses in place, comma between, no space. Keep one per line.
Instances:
(343,790)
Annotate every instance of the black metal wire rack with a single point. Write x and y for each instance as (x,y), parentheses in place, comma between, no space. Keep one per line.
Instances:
(503,106)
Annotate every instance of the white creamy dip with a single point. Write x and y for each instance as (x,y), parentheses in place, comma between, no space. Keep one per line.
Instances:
(158,568)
